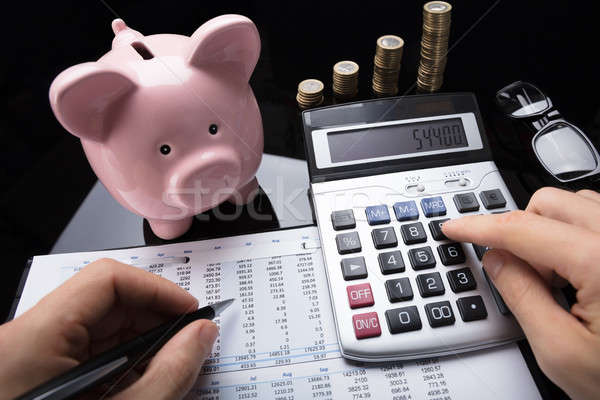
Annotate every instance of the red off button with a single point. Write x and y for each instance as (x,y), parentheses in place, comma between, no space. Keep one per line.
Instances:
(366,325)
(360,295)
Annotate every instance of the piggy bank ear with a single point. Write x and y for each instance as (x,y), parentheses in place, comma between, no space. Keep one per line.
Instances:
(230,41)
(85,98)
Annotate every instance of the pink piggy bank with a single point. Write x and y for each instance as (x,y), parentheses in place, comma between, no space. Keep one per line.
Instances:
(169,123)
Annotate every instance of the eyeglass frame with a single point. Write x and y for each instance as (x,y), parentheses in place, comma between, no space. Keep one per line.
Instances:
(554,117)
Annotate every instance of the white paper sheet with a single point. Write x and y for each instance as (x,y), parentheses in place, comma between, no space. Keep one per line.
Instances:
(278,340)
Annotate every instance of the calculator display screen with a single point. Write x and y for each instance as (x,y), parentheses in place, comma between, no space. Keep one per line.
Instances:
(397,139)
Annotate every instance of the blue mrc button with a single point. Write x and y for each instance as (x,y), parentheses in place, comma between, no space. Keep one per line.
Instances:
(406,210)
(377,215)
(433,206)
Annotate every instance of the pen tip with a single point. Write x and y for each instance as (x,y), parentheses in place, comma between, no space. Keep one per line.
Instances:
(221,306)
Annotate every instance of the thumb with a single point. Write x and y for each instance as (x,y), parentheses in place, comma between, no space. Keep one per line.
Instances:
(175,368)
(527,295)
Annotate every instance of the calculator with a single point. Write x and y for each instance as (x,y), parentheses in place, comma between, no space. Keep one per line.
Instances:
(385,174)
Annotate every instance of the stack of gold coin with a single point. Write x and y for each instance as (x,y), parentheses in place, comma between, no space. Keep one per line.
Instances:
(345,79)
(434,45)
(310,93)
(388,58)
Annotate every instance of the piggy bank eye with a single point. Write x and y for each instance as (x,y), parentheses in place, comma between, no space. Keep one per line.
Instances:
(165,149)
(213,129)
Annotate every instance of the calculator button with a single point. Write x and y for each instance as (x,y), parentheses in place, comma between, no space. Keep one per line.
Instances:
(384,238)
(343,219)
(466,202)
(451,253)
(430,284)
(502,307)
(403,319)
(399,290)
(480,250)
(433,207)
(413,233)
(471,308)
(348,243)
(377,215)
(461,280)
(354,268)
(439,314)
(436,229)
(492,199)
(406,211)
(360,295)
(421,258)
(391,262)
(366,325)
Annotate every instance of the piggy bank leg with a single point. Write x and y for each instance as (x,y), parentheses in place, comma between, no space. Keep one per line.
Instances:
(245,194)
(166,229)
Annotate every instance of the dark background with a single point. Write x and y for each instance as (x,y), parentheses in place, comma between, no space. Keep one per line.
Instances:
(44,175)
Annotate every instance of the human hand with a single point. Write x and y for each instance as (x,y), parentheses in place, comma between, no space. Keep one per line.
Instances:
(103,305)
(558,233)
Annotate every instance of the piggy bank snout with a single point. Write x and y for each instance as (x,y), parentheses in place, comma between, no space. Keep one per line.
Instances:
(202,181)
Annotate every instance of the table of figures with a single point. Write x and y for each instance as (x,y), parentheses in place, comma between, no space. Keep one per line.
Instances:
(278,339)
(279,342)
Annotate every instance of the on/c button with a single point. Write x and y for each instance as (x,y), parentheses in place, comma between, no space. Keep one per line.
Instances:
(366,325)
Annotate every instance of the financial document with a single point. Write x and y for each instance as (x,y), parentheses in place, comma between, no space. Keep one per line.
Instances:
(278,339)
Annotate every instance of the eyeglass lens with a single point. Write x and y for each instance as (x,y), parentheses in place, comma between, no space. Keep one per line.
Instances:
(564,151)
(521,99)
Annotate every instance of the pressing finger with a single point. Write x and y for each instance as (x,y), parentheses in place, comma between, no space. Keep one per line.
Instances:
(544,243)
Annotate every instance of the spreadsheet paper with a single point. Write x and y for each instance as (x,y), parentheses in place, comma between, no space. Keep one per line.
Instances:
(278,339)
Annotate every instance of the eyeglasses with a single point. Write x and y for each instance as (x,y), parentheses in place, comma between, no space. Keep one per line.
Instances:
(562,148)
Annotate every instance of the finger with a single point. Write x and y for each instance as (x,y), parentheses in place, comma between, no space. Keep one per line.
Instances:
(590,195)
(567,207)
(544,243)
(529,298)
(174,369)
(556,337)
(107,282)
(125,322)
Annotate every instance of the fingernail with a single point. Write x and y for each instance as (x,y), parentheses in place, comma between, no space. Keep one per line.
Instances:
(449,223)
(493,262)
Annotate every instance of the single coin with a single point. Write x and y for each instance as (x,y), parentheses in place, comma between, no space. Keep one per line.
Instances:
(311,86)
(345,68)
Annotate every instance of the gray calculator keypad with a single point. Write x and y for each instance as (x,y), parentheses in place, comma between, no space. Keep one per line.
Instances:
(428,284)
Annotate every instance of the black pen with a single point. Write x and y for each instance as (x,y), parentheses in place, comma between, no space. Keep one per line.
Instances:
(119,359)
